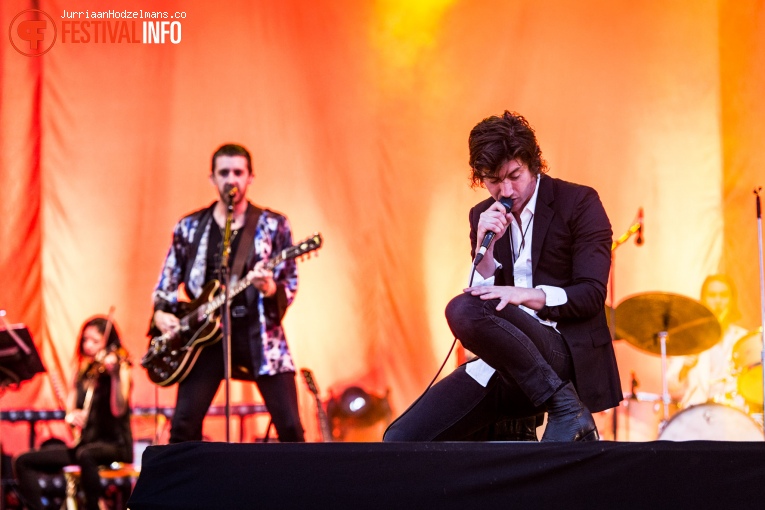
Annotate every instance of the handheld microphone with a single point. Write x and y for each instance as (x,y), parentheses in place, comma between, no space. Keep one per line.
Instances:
(639,238)
(487,238)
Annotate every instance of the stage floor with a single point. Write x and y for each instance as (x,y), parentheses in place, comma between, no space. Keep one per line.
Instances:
(604,474)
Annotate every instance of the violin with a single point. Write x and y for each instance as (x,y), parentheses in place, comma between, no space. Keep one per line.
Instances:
(90,376)
(98,365)
(89,373)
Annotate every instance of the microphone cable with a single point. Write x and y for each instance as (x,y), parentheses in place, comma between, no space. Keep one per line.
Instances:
(507,202)
(435,377)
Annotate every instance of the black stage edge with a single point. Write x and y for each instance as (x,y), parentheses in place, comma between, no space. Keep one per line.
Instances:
(659,474)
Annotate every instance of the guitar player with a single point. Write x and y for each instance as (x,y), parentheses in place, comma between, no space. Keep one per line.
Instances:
(259,350)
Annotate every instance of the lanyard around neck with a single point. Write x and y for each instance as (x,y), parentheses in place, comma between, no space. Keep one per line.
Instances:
(523,239)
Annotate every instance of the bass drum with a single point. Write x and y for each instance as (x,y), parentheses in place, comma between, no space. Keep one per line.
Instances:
(711,422)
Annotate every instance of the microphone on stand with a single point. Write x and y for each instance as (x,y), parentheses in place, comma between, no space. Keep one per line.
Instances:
(639,238)
(230,190)
(487,238)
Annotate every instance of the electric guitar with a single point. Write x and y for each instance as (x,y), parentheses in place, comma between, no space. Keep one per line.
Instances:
(326,430)
(171,356)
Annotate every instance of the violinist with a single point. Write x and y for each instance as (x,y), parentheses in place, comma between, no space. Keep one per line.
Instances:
(97,409)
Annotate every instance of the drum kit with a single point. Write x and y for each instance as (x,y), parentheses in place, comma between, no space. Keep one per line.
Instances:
(674,325)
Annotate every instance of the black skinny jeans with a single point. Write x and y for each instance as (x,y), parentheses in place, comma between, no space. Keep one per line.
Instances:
(196,392)
(531,360)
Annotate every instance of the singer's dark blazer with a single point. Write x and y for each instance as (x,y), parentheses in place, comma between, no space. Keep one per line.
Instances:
(571,249)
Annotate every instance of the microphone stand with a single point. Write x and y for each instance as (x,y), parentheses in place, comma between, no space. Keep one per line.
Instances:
(762,291)
(614,245)
(226,312)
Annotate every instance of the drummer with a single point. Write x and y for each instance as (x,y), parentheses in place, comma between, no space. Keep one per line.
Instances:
(707,376)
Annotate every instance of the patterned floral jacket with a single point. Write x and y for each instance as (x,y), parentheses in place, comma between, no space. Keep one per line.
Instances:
(272,235)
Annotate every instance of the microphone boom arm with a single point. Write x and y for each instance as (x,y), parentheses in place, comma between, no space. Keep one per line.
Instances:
(626,236)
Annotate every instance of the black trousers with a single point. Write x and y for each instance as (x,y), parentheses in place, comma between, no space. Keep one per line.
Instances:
(531,362)
(51,459)
(197,390)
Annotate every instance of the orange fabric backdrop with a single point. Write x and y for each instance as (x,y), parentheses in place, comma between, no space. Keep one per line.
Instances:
(357,114)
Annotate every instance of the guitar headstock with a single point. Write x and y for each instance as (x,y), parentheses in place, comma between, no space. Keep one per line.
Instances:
(305,247)
(308,376)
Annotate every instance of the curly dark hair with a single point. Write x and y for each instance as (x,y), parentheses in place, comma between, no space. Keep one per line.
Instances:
(496,140)
(232,149)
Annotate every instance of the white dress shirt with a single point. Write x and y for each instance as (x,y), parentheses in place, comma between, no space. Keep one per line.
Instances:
(711,378)
(520,245)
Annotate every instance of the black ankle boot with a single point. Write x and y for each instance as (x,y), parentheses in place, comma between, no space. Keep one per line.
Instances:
(567,418)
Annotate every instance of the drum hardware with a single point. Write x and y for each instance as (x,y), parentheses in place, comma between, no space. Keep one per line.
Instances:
(635,228)
(611,321)
(758,207)
(669,325)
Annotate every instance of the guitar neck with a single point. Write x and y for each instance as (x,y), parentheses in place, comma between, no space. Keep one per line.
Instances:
(240,286)
(305,246)
(326,430)
(272,263)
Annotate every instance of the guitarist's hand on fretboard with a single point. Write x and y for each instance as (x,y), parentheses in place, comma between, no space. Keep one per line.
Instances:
(166,322)
(262,279)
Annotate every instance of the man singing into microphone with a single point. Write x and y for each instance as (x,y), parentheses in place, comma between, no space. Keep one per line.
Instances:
(259,350)
(534,313)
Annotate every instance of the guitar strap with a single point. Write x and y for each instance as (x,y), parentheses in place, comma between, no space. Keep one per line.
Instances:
(204,220)
(248,235)
(246,244)
(243,254)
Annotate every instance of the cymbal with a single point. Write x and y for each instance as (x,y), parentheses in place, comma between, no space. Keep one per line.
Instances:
(691,327)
